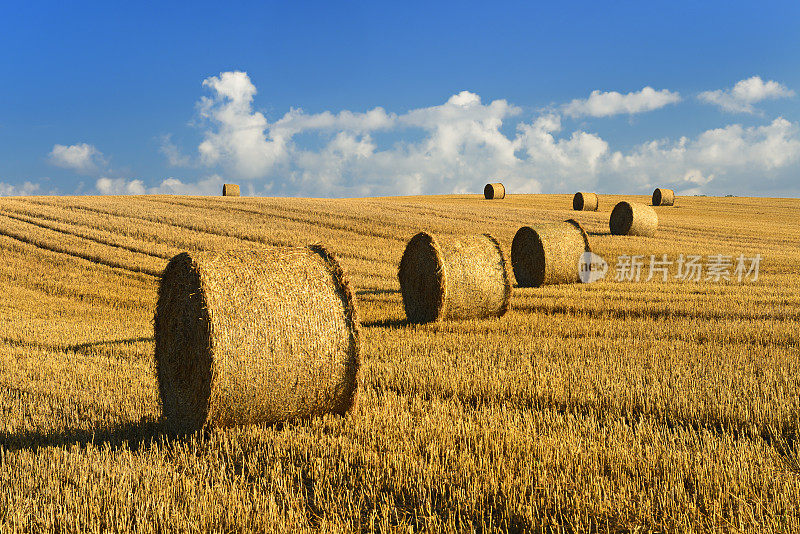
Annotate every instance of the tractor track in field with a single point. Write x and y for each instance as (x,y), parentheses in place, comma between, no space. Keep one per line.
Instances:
(84,236)
(276,213)
(207,231)
(93,258)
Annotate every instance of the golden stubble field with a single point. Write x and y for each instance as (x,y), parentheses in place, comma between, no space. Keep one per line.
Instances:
(613,406)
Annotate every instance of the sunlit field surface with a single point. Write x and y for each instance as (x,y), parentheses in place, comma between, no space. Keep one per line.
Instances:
(615,406)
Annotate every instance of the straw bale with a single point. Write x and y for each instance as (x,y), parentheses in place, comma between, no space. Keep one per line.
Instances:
(585,202)
(663,197)
(548,253)
(632,218)
(230,190)
(453,278)
(494,191)
(255,336)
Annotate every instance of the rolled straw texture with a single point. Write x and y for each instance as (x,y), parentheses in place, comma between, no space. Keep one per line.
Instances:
(255,336)
(548,253)
(663,197)
(453,278)
(230,190)
(585,202)
(632,218)
(494,191)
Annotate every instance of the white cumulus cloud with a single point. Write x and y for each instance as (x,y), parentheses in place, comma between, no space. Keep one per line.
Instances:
(732,159)
(610,103)
(459,145)
(120,186)
(26,189)
(238,135)
(462,140)
(81,157)
(745,93)
(174,156)
(296,121)
(211,185)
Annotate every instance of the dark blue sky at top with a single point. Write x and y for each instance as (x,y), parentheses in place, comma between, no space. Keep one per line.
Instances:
(120,75)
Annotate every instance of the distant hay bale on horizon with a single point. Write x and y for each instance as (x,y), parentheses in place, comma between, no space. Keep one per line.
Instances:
(548,253)
(230,190)
(585,202)
(632,218)
(255,336)
(663,197)
(494,191)
(453,278)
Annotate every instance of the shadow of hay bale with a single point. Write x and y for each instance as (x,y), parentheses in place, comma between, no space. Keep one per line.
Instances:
(128,435)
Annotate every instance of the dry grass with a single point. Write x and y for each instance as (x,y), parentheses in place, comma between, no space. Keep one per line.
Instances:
(611,406)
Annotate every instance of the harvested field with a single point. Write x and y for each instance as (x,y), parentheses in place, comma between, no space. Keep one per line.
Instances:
(612,406)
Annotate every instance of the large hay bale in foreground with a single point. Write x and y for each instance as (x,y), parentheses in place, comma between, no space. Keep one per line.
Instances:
(453,278)
(230,190)
(632,218)
(548,253)
(663,197)
(494,191)
(585,202)
(255,336)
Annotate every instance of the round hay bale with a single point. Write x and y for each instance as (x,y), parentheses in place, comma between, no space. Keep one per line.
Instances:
(585,202)
(230,190)
(494,191)
(453,278)
(663,197)
(255,336)
(632,218)
(548,253)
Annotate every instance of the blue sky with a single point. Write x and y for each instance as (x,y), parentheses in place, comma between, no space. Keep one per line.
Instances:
(359,99)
